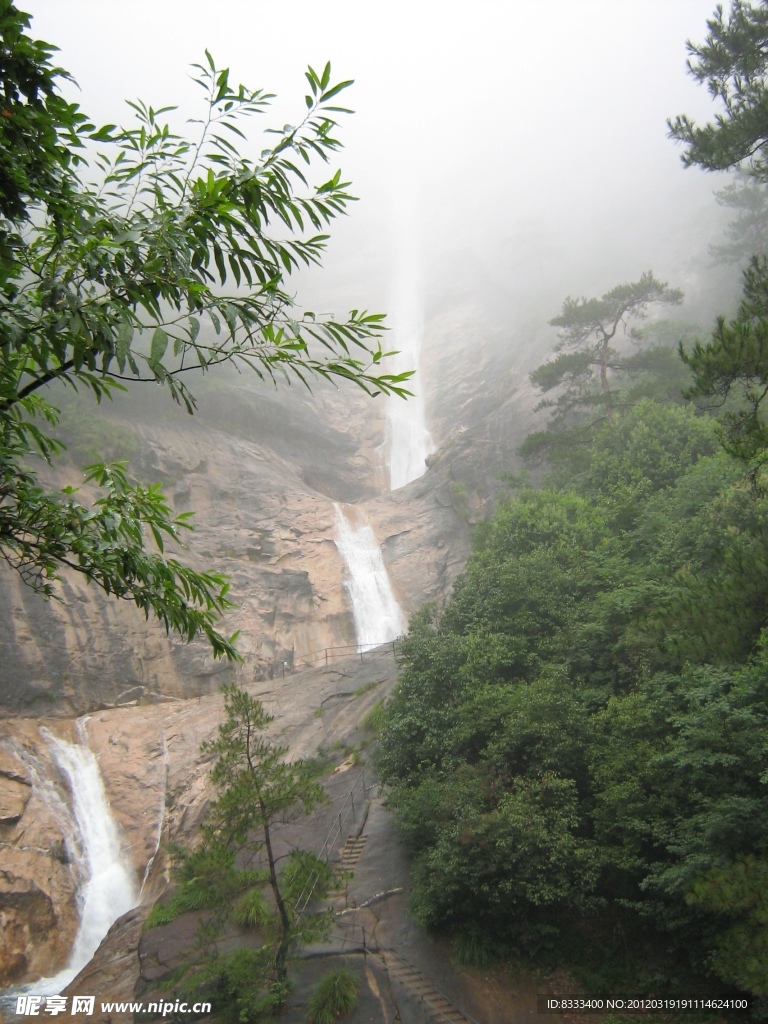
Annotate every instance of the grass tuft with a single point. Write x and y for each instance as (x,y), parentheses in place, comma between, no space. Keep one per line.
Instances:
(473,949)
(335,994)
(373,720)
(366,688)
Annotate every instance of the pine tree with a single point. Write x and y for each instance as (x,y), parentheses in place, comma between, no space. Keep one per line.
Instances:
(238,875)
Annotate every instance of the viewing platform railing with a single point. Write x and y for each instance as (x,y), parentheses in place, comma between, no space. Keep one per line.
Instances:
(327,655)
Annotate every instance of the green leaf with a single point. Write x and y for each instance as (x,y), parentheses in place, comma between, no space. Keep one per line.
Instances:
(123,341)
(220,265)
(159,345)
(336,90)
(104,134)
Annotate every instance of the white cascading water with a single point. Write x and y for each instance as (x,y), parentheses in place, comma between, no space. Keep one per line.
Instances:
(410,441)
(110,888)
(378,617)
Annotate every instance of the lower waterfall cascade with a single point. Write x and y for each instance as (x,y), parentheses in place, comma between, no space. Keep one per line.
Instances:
(377,614)
(110,888)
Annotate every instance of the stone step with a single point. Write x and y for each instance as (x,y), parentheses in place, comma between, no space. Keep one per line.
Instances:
(355,842)
(351,851)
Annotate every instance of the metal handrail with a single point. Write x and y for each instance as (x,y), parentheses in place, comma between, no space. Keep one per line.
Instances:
(327,848)
(354,649)
(327,654)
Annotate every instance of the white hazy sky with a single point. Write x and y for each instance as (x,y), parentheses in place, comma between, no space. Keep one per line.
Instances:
(524,137)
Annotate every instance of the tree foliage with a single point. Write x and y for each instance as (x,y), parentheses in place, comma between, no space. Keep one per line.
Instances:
(731,62)
(36,123)
(588,364)
(739,890)
(138,254)
(731,371)
(576,746)
(732,368)
(585,320)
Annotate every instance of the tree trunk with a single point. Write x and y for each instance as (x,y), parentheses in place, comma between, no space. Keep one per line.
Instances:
(286,926)
(605,387)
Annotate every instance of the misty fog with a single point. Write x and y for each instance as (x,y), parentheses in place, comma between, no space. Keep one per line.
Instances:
(524,146)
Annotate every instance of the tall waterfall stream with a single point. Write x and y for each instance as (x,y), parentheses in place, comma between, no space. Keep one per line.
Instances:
(111,888)
(377,614)
(410,442)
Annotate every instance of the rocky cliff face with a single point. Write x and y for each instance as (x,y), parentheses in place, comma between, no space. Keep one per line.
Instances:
(262,470)
(38,879)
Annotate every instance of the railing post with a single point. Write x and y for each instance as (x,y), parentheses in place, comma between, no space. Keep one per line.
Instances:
(352,794)
(326,657)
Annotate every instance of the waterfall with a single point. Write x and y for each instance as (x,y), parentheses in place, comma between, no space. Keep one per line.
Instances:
(110,888)
(410,441)
(378,617)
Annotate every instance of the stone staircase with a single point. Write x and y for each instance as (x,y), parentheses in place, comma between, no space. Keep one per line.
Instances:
(350,853)
(437,1006)
(345,867)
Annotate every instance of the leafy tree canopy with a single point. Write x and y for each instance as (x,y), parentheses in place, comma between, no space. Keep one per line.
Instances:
(140,254)
(599,319)
(732,368)
(731,372)
(36,126)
